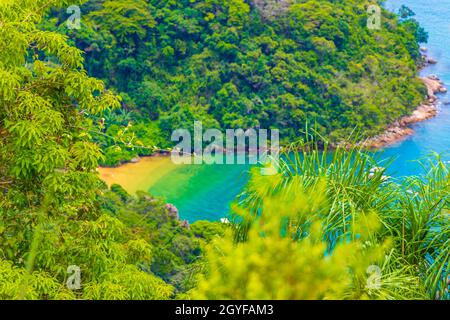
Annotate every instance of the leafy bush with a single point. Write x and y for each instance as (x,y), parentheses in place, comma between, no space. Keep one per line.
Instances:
(230,65)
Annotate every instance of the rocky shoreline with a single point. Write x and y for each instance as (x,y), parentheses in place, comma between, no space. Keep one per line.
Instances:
(397,131)
(401,128)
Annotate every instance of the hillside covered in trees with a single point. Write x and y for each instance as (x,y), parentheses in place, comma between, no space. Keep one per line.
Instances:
(322,227)
(56,216)
(246,64)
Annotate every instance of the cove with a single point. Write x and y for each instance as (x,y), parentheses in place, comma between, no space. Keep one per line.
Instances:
(200,192)
(204,192)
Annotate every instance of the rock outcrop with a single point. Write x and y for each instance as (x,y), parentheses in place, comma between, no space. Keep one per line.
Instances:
(431,60)
(135,160)
(173,211)
(400,129)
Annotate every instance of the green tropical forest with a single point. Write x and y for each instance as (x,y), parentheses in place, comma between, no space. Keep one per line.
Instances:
(100,83)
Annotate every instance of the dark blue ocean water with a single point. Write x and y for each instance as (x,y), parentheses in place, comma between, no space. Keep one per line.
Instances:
(207,191)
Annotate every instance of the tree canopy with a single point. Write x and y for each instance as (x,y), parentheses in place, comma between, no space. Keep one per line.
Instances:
(72,98)
(229,65)
(53,211)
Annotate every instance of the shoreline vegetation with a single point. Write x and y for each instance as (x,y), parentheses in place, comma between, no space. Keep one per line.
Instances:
(401,129)
(229,66)
(396,132)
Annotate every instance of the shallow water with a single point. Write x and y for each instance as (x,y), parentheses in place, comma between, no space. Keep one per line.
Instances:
(205,192)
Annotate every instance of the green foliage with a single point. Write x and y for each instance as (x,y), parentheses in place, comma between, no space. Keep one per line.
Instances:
(319,228)
(208,230)
(421,224)
(312,231)
(228,64)
(50,216)
(176,249)
(121,192)
(16,282)
(412,25)
(270,265)
(123,139)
